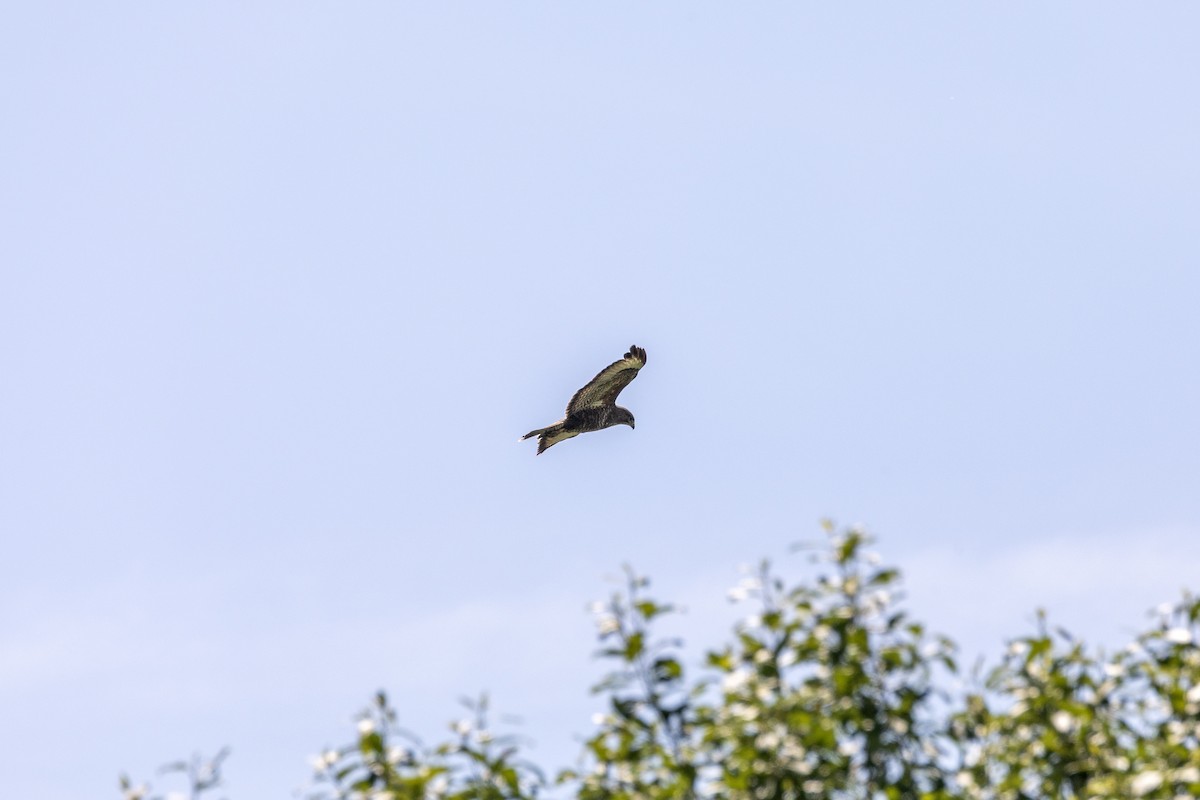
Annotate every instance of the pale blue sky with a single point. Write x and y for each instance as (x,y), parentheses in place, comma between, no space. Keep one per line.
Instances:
(281,284)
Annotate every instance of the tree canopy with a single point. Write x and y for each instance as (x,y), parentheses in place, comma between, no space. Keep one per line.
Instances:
(826,689)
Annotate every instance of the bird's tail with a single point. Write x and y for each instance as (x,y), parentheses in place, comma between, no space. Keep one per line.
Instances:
(548,437)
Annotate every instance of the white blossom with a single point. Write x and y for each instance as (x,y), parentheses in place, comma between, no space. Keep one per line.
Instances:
(1179,636)
(1188,775)
(1145,782)
(849,748)
(768,741)
(366,727)
(793,753)
(878,600)
(1062,721)
(743,712)
(746,587)
(735,680)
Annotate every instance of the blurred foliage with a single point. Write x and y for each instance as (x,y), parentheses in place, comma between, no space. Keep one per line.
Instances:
(388,763)
(826,689)
(202,775)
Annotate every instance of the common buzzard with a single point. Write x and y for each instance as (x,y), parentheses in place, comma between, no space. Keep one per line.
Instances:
(594,406)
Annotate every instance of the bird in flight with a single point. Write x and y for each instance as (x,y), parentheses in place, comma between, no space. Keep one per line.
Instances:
(594,406)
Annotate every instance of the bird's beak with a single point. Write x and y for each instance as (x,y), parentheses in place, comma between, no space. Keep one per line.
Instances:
(633,426)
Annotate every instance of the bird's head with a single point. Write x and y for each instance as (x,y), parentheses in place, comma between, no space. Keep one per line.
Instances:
(624,417)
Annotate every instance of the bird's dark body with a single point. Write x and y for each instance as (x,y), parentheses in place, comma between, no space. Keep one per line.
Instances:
(593,407)
(593,419)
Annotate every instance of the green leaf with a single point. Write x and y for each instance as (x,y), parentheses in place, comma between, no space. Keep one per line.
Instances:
(883,577)
(370,743)
(667,669)
(721,660)
(634,646)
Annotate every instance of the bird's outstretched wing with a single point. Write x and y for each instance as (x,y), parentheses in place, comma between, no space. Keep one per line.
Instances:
(603,389)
